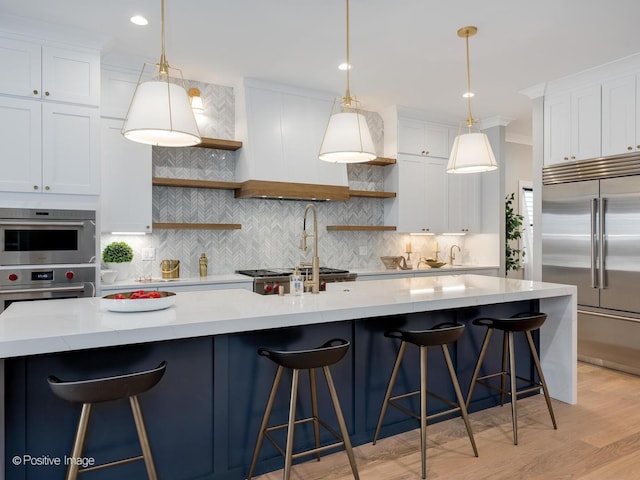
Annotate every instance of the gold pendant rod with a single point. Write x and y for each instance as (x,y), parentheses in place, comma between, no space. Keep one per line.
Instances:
(164,65)
(466,32)
(347,96)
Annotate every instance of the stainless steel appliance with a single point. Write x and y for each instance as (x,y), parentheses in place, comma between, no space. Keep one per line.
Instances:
(19,284)
(43,236)
(591,239)
(267,281)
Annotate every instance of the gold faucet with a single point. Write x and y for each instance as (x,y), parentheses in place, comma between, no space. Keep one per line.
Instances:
(452,256)
(314,281)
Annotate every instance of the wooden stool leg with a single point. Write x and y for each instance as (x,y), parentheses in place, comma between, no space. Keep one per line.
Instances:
(503,376)
(461,403)
(536,361)
(78,442)
(341,422)
(142,436)
(514,396)
(288,457)
(387,395)
(265,421)
(314,408)
(476,371)
(423,410)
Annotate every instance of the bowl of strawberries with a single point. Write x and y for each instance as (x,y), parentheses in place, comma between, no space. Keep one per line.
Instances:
(138,301)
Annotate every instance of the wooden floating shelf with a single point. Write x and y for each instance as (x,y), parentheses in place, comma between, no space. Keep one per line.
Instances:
(362,228)
(184,182)
(371,194)
(219,144)
(381,161)
(197,226)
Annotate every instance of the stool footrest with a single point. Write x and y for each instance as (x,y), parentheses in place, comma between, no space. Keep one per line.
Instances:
(267,433)
(402,408)
(534,385)
(111,464)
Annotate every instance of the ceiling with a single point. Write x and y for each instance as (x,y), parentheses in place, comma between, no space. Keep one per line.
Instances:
(403,52)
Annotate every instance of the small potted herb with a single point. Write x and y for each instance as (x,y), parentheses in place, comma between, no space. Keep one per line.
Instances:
(118,256)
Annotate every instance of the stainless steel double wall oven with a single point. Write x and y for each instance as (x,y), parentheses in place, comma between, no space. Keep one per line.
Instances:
(46,254)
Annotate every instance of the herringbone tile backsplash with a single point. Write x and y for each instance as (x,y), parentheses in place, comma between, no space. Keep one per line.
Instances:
(271,229)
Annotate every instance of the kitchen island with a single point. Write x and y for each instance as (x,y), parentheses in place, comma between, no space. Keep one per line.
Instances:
(204,415)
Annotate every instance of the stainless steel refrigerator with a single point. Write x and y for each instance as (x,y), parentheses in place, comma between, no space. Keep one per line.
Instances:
(591,239)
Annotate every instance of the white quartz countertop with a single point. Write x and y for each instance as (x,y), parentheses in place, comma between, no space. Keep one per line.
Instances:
(160,283)
(444,270)
(28,328)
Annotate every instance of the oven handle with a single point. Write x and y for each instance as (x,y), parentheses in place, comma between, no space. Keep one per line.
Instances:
(44,289)
(46,223)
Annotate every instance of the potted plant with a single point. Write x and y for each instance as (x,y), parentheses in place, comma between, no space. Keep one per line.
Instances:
(513,227)
(117,256)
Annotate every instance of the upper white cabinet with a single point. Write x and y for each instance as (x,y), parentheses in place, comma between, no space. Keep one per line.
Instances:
(126,197)
(572,125)
(116,91)
(465,212)
(49,73)
(420,205)
(620,124)
(422,138)
(48,147)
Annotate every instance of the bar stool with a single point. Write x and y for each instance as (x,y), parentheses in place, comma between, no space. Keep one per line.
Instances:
(521,322)
(439,335)
(107,389)
(321,357)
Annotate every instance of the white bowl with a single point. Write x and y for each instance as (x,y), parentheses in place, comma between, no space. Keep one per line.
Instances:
(127,304)
(108,276)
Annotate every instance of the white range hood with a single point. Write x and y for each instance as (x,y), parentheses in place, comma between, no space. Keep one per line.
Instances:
(281,128)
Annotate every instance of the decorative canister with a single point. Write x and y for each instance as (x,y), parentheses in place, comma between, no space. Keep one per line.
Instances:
(204,263)
(170,268)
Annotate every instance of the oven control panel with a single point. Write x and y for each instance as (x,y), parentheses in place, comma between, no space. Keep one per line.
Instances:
(24,277)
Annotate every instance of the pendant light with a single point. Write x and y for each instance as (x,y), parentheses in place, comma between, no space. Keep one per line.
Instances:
(347,138)
(471,151)
(160,112)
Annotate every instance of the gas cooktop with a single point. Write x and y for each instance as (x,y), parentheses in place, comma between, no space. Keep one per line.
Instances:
(285,272)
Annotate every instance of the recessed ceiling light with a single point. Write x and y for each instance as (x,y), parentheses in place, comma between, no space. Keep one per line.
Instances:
(139,20)
(344,66)
(468,94)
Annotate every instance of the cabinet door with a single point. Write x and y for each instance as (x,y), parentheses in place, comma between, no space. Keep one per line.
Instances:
(436,140)
(20,63)
(20,137)
(465,198)
(116,91)
(586,123)
(436,195)
(70,76)
(557,140)
(126,167)
(411,201)
(70,149)
(411,137)
(619,116)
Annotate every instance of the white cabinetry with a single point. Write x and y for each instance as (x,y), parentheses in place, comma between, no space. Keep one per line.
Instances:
(572,125)
(465,193)
(422,192)
(49,73)
(620,124)
(126,197)
(49,145)
(116,91)
(421,138)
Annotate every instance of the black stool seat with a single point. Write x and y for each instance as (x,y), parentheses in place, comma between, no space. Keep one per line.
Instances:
(322,357)
(105,389)
(326,354)
(524,322)
(109,388)
(439,335)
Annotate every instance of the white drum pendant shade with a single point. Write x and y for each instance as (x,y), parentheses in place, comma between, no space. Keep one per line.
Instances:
(160,114)
(471,153)
(347,139)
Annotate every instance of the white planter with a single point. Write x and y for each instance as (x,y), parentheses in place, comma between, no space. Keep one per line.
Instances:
(123,269)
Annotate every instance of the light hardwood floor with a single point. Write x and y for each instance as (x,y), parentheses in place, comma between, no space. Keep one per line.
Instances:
(597,439)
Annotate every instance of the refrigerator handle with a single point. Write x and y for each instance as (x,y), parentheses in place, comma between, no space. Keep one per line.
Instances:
(601,246)
(592,244)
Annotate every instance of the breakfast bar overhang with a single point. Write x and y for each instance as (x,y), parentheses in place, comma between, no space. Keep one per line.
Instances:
(203,417)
